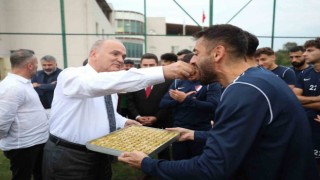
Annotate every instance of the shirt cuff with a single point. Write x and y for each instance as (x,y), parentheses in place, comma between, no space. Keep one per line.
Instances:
(121,122)
(146,165)
(200,136)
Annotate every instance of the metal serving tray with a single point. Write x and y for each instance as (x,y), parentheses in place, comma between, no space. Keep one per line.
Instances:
(146,139)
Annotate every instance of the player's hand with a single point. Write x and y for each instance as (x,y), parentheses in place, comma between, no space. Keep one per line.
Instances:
(185,134)
(179,95)
(134,158)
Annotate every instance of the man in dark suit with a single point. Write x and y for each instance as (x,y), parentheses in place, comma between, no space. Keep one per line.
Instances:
(44,82)
(143,105)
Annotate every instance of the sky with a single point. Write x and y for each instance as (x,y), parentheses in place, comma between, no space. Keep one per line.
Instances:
(293,18)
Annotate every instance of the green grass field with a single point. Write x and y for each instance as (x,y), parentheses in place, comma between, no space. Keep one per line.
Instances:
(5,173)
(120,171)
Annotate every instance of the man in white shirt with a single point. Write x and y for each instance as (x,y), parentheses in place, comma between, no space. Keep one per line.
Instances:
(23,121)
(79,113)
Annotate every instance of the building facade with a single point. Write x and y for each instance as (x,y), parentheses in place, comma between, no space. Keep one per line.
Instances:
(129,27)
(161,41)
(36,25)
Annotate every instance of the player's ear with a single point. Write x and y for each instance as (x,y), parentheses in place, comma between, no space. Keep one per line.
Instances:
(217,53)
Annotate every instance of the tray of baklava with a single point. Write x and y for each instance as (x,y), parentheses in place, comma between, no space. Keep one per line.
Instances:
(149,140)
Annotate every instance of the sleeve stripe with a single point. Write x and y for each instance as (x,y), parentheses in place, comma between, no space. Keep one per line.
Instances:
(284,72)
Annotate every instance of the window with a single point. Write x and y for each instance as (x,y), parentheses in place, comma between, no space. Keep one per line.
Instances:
(129,27)
(134,50)
(120,26)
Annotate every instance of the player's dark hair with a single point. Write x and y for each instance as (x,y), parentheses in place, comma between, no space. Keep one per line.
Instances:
(253,43)
(169,57)
(313,43)
(187,58)
(265,50)
(296,49)
(183,51)
(231,37)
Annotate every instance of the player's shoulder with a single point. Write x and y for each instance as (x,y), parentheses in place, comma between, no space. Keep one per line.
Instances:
(307,71)
(284,68)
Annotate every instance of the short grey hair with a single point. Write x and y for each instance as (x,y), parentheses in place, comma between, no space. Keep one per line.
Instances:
(19,58)
(48,58)
(97,44)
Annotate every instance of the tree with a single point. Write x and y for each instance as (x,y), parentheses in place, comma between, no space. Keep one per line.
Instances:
(283,57)
(289,45)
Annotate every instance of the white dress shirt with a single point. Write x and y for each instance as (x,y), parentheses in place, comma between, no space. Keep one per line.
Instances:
(23,121)
(78,111)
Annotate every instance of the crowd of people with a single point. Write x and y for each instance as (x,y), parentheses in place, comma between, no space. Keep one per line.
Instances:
(239,114)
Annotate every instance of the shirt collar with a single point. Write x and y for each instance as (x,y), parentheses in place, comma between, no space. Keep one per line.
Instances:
(19,78)
(90,68)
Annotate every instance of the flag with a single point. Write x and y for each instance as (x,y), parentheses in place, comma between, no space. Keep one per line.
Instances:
(203,17)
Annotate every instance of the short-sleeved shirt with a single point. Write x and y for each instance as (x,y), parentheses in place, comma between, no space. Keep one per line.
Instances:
(197,110)
(297,71)
(309,82)
(286,74)
(261,132)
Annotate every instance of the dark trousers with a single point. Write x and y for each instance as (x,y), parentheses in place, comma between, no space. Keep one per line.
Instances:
(65,163)
(186,149)
(26,162)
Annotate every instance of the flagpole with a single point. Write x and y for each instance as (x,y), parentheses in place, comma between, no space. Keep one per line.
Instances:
(184,27)
(211,13)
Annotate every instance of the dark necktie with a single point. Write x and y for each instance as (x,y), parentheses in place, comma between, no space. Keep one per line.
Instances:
(110,112)
(148,91)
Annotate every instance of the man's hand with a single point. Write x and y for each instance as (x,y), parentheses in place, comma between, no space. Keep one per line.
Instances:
(152,119)
(131,122)
(35,84)
(185,134)
(134,159)
(179,95)
(143,120)
(147,120)
(180,70)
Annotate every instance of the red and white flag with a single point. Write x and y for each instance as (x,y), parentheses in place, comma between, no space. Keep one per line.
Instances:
(203,17)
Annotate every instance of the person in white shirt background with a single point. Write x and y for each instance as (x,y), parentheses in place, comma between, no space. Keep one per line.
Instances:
(79,113)
(23,121)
